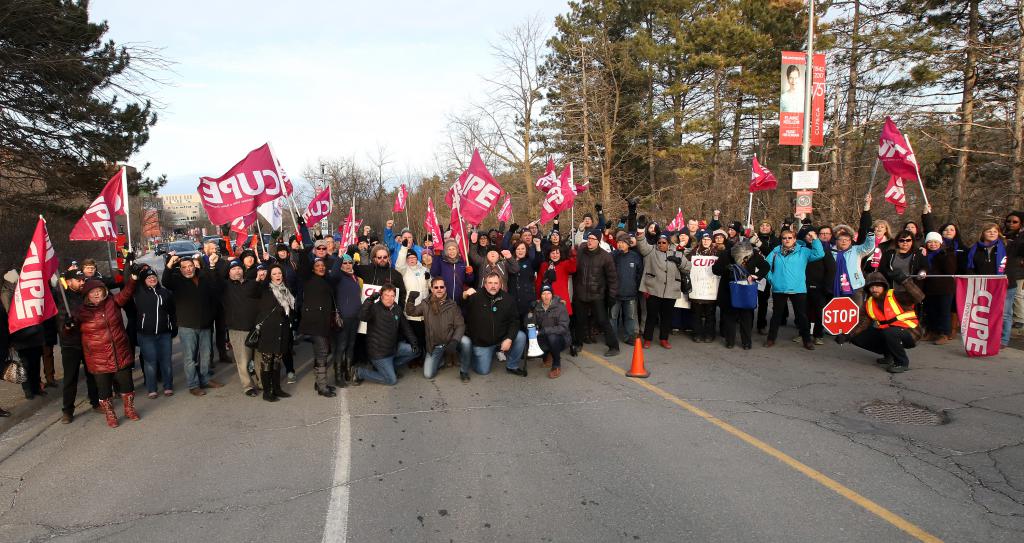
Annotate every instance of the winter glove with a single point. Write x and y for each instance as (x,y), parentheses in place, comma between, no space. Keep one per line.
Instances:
(405,243)
(375,296)
(632,204)
(641,222)
(598,208)
(426,277)
(513,228)
(301,221)
(412,297)
(674,259)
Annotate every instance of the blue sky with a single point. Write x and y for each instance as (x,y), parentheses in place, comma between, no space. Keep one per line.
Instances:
(318,79)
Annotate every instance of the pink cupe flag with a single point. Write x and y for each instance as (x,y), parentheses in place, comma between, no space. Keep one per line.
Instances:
(895,153)
(550,178)
(896,194)
(319,207)
(430,223)
(761,178)
(32,302)
(98,222)
(401,197)
(505,213)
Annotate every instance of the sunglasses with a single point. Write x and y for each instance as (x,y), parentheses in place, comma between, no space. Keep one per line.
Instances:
(380,257)
(439,287)
(904,240)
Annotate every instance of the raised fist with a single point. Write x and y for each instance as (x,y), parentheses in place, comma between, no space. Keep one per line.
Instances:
(389,224)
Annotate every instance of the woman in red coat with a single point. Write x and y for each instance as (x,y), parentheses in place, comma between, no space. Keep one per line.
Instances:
(556,271)
(109,355)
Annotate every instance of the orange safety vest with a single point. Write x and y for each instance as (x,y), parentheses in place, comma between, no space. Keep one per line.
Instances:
(891,314)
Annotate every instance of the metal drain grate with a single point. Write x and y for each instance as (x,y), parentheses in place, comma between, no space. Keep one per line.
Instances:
(902,413)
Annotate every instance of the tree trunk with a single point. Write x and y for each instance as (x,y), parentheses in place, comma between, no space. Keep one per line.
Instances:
(650,139)
(966,112)
(737,125)
(1017,198)
(716,133)
(528,163)
(586,118)
(851,93)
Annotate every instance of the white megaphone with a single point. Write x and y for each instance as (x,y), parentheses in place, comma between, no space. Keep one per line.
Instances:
(534,350)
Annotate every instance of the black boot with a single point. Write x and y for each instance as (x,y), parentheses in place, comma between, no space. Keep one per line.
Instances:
(275,377)
(340,369)
(268,391)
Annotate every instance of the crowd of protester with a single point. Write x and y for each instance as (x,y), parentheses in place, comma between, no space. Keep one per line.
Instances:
(383,303)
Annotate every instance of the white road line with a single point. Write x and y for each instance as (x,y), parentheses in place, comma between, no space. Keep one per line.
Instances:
(336,524)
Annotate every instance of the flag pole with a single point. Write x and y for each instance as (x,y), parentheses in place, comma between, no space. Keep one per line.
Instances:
(60,280)
(750,210)
(259,232)
(918,171)
(127,211)
(293,210)
(874,170)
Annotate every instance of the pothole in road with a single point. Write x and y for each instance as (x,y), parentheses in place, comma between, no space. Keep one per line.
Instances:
(903,413)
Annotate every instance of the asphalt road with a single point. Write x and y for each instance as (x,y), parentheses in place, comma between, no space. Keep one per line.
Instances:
(718,445)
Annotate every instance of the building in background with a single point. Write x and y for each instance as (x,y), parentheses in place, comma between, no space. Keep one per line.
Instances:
(182,210)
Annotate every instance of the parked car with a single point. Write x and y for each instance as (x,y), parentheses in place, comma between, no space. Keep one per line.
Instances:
(184,249)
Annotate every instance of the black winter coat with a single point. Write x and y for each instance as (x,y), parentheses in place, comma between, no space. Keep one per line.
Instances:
(385,326)
(522,275)
(318,307)
(154,310)
(596,278)
(239,300)
(943,263)
(755,264)
(276,327)
(491,319)
(196,302)
(70,337)
(382,275)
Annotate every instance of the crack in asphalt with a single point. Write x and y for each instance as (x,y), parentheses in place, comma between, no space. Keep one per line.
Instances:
(496,406)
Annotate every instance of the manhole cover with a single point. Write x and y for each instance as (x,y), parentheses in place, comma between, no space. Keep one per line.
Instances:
(902,413)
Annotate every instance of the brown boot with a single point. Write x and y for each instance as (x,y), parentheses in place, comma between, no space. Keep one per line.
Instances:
(108,412)
(129,405)
(547,361)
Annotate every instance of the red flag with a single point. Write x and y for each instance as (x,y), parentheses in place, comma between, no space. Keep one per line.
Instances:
(255,180)
(559,198)
(550,178)
(349,228)
(98,221)
(505,213)
(240,227)
(400,198)
(477,189)
(979,301)
(895,153)
(319,207)
(761,178)
(678,222)
(33,302)
(896,194)
(431,224)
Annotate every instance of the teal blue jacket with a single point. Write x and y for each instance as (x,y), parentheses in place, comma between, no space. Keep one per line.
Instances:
(788,273)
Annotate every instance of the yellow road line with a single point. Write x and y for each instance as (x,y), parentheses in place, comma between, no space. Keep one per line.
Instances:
(819,477)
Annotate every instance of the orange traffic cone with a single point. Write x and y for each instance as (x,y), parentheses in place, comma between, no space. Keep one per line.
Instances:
(638,370)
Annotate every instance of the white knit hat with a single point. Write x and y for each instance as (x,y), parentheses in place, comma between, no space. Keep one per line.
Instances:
(933,236)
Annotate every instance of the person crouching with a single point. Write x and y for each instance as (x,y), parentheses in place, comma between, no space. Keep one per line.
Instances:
(888,323)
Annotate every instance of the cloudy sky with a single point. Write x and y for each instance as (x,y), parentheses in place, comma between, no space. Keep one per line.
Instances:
(319,79)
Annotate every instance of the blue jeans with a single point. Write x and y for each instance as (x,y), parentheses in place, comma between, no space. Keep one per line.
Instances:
(156,356)
(625,310)
(195,351)
(481,356)
(432,361)
(384,368)
(1011,292)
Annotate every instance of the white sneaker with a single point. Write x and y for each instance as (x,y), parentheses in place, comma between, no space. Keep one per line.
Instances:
(291,378)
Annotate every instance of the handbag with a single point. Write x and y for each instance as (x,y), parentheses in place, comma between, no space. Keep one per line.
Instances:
(742,291)
(15,371)
(252,339)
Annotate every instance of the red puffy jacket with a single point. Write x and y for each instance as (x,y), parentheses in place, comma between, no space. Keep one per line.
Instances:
(104,341)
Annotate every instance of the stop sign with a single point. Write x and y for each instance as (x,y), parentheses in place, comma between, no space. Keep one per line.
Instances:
(840,316)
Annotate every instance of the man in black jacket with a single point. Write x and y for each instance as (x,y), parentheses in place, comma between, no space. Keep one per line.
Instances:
(594,285)
(492,325)
(195,293)
(385,324)
(379,272)
(71,355)
(239,299)
(220,269)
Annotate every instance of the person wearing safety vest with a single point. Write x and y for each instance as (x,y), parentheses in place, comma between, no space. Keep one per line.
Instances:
(888,323)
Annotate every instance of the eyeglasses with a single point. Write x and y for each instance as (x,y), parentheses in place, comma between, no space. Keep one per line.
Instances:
(380,258)
(321,248)
(662,243)
(346,263)
(904,240)
(438,287)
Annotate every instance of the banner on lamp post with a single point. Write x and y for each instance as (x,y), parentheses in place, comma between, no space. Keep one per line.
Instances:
(791,101)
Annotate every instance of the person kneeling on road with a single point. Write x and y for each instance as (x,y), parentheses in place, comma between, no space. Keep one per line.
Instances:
(443,322)
(552,319)
(492,326)
(385,324)
(888,323)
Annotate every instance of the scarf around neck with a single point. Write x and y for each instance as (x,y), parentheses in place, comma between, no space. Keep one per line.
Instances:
(1000,251)
(283,296)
